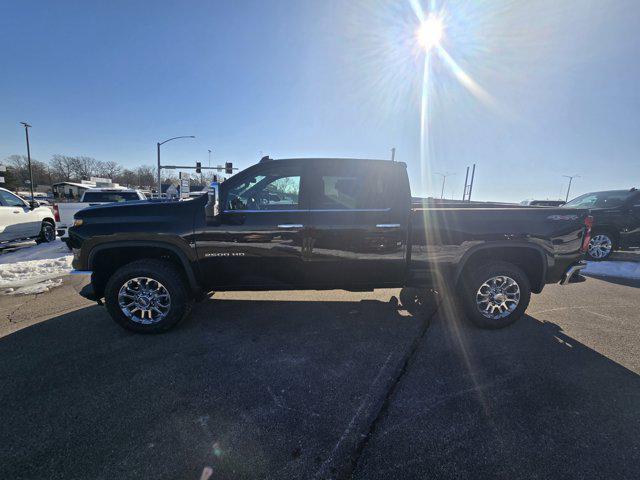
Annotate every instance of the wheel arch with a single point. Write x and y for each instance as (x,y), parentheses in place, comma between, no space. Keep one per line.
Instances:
(104,259)
(530,258)
(607,229)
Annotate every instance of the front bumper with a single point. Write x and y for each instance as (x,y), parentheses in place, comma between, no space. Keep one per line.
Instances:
(572,275)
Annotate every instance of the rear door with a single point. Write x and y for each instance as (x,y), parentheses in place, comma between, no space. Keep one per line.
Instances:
(257,239)
(359,213)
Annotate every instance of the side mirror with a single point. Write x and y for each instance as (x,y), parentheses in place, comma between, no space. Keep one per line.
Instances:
(212,208)
(33,204)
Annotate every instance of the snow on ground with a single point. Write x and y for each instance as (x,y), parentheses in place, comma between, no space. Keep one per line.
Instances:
(34,269)
(629,270)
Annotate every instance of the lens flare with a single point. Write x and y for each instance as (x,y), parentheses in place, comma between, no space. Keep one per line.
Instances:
(430,32)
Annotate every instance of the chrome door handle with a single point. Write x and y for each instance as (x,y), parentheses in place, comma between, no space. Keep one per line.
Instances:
(388,225)
(291,225)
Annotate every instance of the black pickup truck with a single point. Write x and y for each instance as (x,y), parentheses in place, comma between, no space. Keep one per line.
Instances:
(616,220)
(321,224)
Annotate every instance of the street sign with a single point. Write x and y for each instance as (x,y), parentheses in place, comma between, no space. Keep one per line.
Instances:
(184,185)
(1,179)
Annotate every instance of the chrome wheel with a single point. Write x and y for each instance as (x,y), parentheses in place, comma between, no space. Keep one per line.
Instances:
(48,232)
(600,246)
(144,300)
(498,297)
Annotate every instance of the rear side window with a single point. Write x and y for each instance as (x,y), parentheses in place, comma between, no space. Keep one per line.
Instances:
(110,197)
(345,187)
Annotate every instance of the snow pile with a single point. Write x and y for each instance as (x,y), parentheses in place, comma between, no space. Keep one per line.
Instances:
(34,269)
(629,270)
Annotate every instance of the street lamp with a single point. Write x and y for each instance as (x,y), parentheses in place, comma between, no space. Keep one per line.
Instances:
(159,167)
(570,177)
(444,178)
(26,132)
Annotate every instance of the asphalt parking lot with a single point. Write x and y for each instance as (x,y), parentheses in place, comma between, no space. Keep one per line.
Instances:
(323,385)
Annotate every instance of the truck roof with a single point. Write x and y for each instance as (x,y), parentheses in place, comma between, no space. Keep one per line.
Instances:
(112,189)
(336,159)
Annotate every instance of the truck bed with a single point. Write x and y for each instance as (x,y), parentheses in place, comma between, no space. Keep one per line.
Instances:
(444,236)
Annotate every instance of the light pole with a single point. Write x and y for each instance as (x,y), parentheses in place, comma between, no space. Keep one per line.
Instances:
(570,177)
(26,132)
(209,157)
(159,167)
(444,179)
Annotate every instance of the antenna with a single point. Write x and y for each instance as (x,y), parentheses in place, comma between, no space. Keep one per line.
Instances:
(444,179)
(570,177)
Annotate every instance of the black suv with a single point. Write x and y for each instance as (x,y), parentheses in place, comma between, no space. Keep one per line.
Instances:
(616,220)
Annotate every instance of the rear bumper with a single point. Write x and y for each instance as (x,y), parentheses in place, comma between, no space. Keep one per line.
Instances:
(572,275)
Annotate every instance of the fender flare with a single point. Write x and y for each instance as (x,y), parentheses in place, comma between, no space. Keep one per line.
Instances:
(607,228)
(186,264)
(496,246)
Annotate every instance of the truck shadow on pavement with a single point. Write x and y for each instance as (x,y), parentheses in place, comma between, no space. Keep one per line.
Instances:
(528,401)
(294,389)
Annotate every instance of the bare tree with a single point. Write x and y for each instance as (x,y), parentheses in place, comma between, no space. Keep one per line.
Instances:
(62,167)
(146,175)
(112,169)
(18,172)
(127,177)
(84,167)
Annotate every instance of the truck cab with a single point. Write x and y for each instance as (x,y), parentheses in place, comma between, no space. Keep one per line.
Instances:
(319,223)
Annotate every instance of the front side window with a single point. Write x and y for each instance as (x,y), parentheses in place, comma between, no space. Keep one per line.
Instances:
(10,200)
(276,189)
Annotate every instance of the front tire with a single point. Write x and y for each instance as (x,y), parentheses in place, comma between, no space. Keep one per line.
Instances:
(495,294)
(147,296)
(47,233)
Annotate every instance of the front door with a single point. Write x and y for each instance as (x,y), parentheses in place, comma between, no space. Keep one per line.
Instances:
(358,224)
(257,239)
(17,220)
(632,229)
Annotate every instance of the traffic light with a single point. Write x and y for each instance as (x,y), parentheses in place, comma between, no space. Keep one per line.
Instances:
(215,178)
(228,167)
(198,167)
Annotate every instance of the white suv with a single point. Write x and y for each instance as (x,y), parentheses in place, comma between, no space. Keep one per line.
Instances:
(20,220)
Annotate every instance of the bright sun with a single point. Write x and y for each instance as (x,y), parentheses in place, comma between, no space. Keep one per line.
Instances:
(430,32)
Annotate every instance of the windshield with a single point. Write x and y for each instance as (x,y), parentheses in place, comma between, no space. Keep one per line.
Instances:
(109,197)
(614,198)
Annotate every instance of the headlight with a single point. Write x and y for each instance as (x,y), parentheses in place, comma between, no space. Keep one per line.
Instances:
(77,222)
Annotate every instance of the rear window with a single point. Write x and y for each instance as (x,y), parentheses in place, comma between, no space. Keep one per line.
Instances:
(110,197)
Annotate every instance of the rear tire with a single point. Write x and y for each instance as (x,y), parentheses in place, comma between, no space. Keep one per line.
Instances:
(147,296)
(495,294)
(47,233)
(601,246)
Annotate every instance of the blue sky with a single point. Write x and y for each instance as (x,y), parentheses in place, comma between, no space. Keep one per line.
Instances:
(333,78)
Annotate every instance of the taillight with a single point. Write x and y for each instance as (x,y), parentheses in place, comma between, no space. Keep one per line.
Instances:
(588,223)
(56,212)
